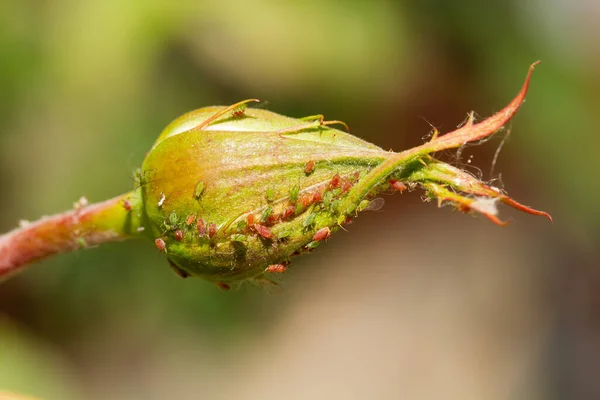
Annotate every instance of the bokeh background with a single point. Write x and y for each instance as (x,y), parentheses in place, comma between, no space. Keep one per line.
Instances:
(413,302)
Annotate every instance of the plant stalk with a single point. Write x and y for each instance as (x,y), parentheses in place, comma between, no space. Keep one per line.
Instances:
(84,226)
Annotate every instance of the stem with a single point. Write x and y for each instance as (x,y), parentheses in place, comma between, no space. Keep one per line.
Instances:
(87,226)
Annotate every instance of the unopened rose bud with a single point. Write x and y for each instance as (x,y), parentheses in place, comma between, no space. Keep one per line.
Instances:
(273,187)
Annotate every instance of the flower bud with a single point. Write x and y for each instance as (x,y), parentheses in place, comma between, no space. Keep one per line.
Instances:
(233,191)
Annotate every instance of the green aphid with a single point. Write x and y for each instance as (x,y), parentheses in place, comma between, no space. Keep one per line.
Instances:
(266,214)
(335,206)
(298,209)
(341,219)
(284,234)
(327,198)
(312,245)
(309,220)
(173,221)
(294,194)
(199,190)
(270,195)
(81,242)
(362,205)
(241,225)
(238,237)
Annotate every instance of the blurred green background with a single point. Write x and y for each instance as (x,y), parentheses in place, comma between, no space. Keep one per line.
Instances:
(413,302)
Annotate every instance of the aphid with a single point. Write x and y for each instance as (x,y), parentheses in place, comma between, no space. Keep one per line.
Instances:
(270,195)
(266,214)
(285,233)
(397,185)
(288,212)
(241,225)
(190,219)
(322,234)
(263,231)
(238,237)
(212,230)
(335,181)
(223,286)
(276,268)
(273,218)
(250,219)
(173,219)
(309,168)
(327,198)
(346,186)
(140,178)
(317,197)
(312,245)
(335,205)
(81,242)
(239,111)
(127,205)
(294,194)
(201,227)
(199,190)
(309,220)
(356,176)
(160,245)
(161,201)
(179,235)
(306,200)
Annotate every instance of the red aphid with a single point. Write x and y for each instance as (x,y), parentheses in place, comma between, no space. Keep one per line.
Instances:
(239,112)
(310,166)
(263,231)
(250,219)
(322,234)
(335,181)
(346,186)
(223,286)
(306,200)
(290,211)
(317,197)
(212,230)
(127,205)
(272,219)
(201,226)
(178,235)
(276,268)
(397,185)
(356,176)
(190,219)
(160,245)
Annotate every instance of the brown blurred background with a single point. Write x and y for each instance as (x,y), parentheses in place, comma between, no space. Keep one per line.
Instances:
(414,302)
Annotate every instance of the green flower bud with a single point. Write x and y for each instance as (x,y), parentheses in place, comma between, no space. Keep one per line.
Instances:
(264,187)
(231,193)
(246,173)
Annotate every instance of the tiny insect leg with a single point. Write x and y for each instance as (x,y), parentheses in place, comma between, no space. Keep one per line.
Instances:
(222,112)
(313,121)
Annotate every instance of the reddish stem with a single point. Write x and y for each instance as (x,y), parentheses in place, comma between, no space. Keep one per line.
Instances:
(82,227)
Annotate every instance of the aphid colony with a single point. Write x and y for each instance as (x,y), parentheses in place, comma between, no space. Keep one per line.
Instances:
(324,197)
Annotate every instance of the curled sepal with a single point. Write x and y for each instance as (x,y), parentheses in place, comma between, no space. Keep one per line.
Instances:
(448,183)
